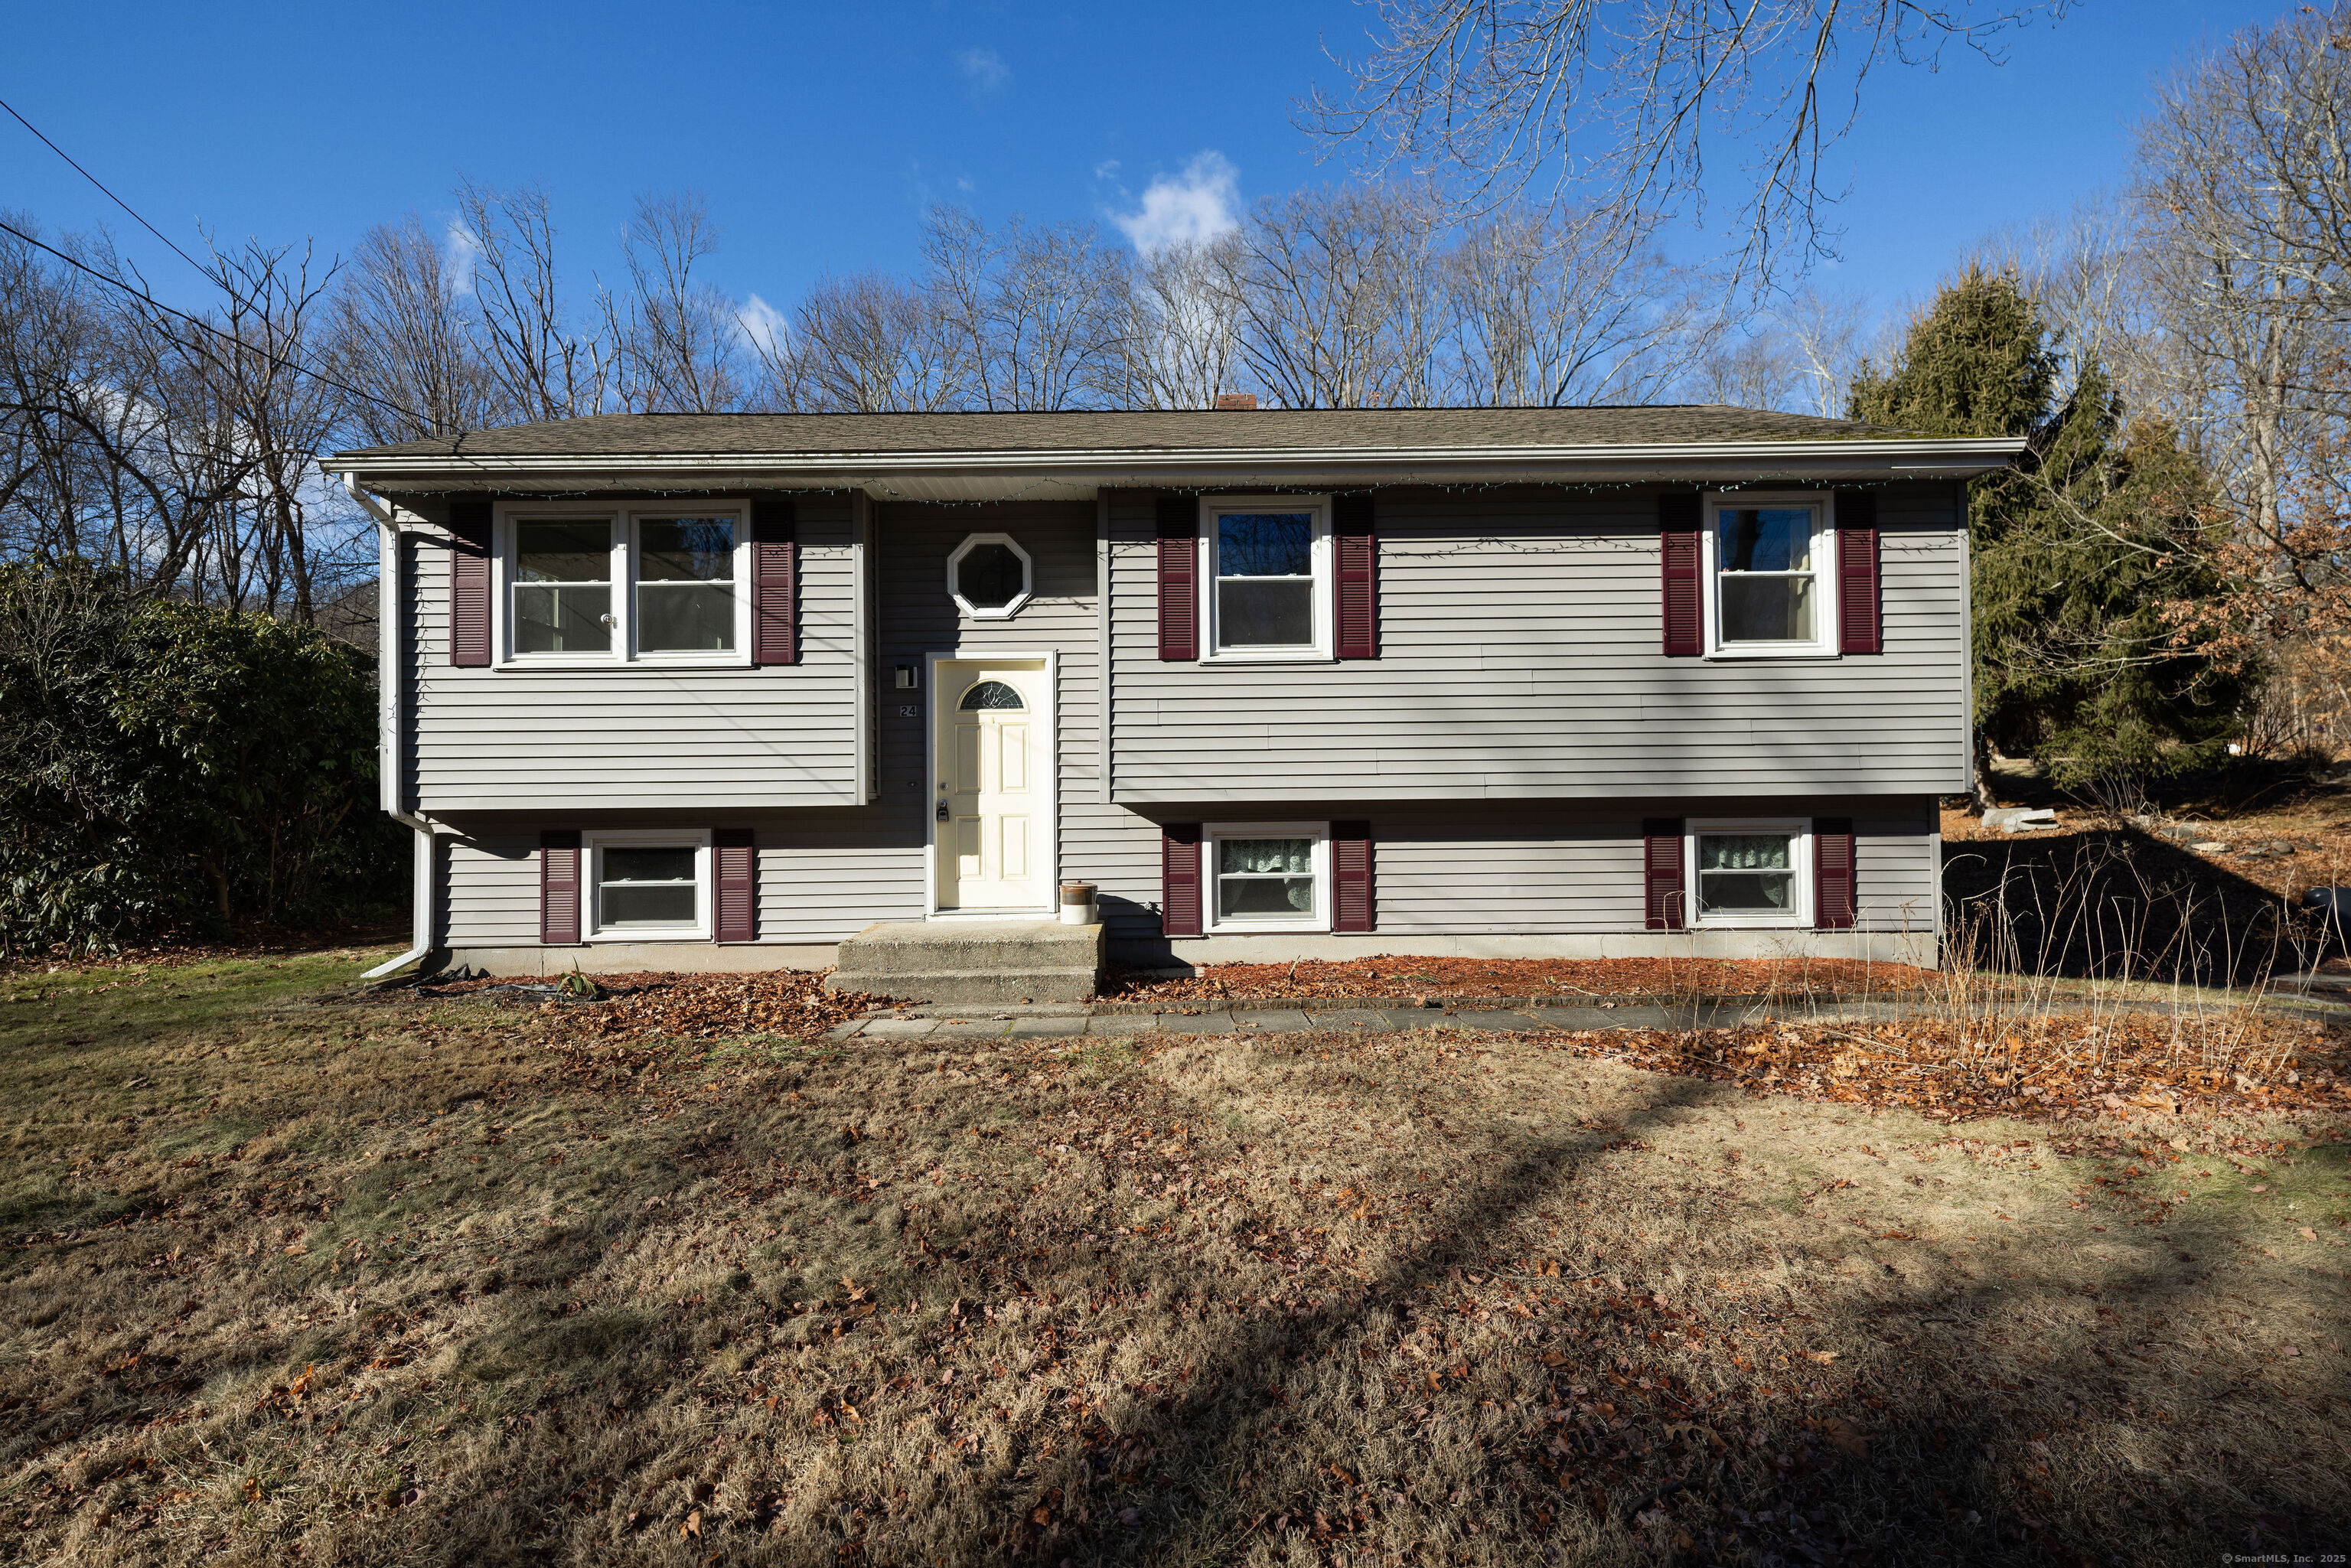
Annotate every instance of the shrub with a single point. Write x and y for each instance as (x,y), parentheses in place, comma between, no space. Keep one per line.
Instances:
(167,766)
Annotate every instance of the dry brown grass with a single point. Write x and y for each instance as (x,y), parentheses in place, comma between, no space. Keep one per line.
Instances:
(292,1276)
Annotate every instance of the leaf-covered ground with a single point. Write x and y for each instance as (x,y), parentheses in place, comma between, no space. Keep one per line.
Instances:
(289,1275)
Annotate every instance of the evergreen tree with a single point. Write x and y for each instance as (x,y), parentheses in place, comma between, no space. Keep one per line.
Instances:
(2078,550)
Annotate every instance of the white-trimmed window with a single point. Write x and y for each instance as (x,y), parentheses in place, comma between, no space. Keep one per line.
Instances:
(1750,872)
(667,585)
(1268,876)
(1771,586)
(1265,571)
(990,577)
(690,568)
(646,885)
(559,571)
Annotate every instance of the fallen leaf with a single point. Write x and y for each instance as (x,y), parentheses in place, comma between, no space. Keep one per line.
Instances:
(1845,1437)
(693,1525)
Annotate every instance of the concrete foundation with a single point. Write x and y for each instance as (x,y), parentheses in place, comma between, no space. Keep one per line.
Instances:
(634,957)
(972,961)
(1915,948)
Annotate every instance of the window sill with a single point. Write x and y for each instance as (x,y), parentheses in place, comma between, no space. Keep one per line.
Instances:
(1751,925)
(1311,930)
(1305,656)
(649,934)
(643,662)
(1808,655)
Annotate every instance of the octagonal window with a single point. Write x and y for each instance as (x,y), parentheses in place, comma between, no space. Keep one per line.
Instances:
(989,576)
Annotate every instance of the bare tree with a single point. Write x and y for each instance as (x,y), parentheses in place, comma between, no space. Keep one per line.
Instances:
(1033,309)
(401,331)
(1618,101)
(2247,201)
(1341,302)
(1568,307)
(1179,312)
(276,415)
(678,342)
(543,364)
(872,343)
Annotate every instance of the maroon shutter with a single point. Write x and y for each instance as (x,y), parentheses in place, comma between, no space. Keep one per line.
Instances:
(775,584)
(1180,578)
(1179,879)
(1351,876)
(1832,879)
(1679,515)
(739,890)
(558,885)
(1663,891)
(1858,623)
(1358,548)
(469,582)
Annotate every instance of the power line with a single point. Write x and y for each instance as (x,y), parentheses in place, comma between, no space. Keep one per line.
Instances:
(111,196)
(218,279)
(204,326)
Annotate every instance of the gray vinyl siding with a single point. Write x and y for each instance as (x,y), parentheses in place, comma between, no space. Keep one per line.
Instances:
(1520,658)
(1523,870)
(637,737)
(1534,870)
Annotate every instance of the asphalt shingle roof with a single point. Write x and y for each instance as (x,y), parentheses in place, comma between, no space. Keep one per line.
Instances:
(749,435)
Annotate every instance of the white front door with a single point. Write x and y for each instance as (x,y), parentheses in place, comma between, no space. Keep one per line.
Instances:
(991,807)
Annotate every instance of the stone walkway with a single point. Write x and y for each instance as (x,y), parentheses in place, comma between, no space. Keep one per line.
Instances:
(1046,1021)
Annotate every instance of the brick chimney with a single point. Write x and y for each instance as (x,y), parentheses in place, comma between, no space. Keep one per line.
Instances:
(1236,400)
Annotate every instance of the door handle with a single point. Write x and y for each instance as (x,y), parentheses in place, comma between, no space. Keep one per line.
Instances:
(942,811)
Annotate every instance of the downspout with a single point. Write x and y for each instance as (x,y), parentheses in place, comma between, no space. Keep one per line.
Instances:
(388,713)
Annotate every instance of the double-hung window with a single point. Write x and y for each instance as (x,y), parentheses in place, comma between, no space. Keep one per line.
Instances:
(1750,872)
(647,885)
(687,583)
(563,586)
(665,587)
(1269,876)
(1769,587)
(1267,563)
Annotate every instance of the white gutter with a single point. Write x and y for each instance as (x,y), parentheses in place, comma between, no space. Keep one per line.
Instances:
(387,685)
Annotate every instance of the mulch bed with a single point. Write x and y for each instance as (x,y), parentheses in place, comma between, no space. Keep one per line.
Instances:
(1383,978)
(636,1008)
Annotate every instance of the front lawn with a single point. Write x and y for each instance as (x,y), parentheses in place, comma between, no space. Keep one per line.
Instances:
(292,1273)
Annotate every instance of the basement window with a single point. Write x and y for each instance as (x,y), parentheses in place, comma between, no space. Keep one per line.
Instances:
(1268,876)
(1750,872)
(648,886)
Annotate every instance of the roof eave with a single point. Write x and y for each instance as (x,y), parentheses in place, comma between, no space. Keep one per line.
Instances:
(953,474)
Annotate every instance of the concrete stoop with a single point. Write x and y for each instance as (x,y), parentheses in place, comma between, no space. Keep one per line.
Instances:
(972,961)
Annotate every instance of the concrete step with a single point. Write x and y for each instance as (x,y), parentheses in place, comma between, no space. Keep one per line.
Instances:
(972,961)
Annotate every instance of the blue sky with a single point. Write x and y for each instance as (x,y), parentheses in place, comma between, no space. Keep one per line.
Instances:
(820,132)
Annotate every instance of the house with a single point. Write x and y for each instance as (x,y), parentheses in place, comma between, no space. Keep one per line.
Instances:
(722,691)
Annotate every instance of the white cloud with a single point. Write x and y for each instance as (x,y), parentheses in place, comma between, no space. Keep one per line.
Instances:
(1198,205)
(1106,170)
(985,68)
(458,240)
(964,183)
(762,323)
